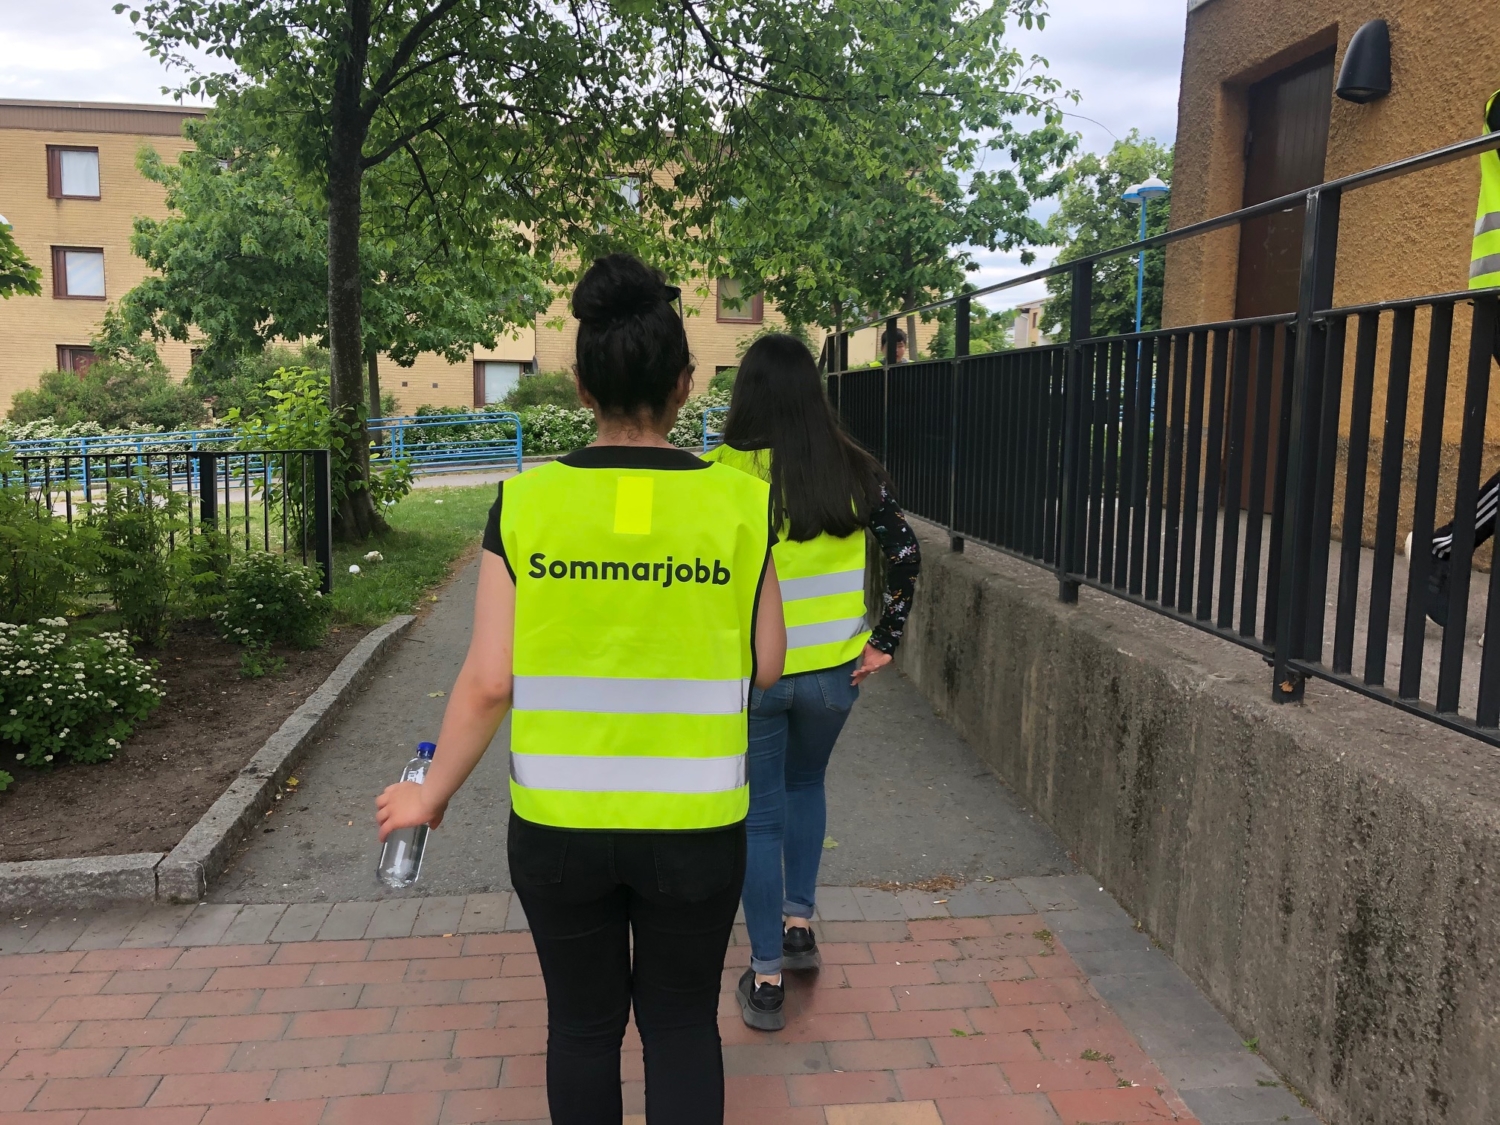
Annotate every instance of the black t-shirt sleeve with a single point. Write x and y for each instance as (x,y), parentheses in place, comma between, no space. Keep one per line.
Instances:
(492,541)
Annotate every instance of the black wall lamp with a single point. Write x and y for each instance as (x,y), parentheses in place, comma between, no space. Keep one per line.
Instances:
(1366,73)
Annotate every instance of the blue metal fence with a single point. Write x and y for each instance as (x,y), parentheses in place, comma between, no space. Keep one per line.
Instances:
(446,443)
(712,437)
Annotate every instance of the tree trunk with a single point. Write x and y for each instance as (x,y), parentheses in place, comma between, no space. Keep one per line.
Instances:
(355,516)
(373,362)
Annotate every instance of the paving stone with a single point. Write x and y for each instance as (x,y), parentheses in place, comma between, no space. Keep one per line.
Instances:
(301,922)
(1142,958)
(108,928)
(157,927)
(1208,1071)
(207,924)
(837,904)
(922,904)
(1239,1105)
(485,913)
(393,918)
(878,906)
(58,933)
(438,916)
(515,918)
(252,925)
(347,921)
(976,900)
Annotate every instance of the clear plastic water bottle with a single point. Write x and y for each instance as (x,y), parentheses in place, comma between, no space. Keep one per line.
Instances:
(401,858)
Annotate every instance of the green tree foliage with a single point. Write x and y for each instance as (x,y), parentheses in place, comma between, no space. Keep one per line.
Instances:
(988,331)
(860,203)
(557,388)
(529,137)
(1094,217)
(17,274)
(118,394)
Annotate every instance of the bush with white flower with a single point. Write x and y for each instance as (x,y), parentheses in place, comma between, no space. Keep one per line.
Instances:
(271,599)
(70,700)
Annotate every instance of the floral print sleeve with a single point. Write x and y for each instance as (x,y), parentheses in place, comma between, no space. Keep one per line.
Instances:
(903,562)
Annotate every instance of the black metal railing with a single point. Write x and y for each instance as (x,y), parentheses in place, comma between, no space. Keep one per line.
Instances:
(267,500)
(1204,471)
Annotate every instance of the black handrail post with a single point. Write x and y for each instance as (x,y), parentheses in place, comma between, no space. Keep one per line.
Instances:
(1320,241)
(1080,322)
(323,517)
(885,390)
(208,499)
(960,351)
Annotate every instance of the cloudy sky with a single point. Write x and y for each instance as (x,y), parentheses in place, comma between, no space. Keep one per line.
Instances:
(1122,56)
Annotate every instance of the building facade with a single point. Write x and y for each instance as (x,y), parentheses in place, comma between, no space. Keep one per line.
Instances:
(70,189)
(1258,117)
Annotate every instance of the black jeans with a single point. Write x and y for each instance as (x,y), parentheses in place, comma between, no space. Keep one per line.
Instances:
(585,895)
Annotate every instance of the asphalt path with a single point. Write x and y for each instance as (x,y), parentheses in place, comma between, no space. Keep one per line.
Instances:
(908,799)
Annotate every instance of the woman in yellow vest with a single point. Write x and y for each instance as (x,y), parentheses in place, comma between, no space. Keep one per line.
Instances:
(627,602)
(826,494)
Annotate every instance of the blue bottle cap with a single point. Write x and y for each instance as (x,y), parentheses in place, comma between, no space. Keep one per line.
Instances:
(426,749)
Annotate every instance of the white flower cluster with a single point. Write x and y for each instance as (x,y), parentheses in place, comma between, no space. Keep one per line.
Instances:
(79,698)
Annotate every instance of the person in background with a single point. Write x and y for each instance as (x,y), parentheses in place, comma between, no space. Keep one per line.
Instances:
(900,346)
(627,601)
(826,495)
(1484,273)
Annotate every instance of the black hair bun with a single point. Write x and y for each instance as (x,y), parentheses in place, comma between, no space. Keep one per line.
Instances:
(618,286)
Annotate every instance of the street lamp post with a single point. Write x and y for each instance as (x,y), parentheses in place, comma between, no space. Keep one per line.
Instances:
(1142,193)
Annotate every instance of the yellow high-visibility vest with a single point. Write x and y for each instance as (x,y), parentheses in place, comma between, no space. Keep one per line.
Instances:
(635,605)
(1484,264)
(822,584)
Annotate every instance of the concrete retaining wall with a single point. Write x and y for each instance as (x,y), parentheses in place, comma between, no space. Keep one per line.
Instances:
(1325,871)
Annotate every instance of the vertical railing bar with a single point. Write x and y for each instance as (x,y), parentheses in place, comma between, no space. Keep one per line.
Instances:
(1160,385)
(1080,319)
(1274,547)
(1145,365)
(1234,477)
(1388,505)
(1321,526)
(1260,441)
(1125,489)
(1470,454)
(1213,463)
(1424,509)
(1175,452)
(1096,407)
(1191,477)
(1358,460)
(1036,490)
(1110,434)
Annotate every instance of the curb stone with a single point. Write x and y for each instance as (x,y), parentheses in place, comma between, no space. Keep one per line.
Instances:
(184,873)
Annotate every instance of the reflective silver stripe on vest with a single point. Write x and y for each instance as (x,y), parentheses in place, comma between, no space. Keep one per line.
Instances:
(1490,263)
(591,774)
(821,585)
(611,695)
(1487,223)
(824,632)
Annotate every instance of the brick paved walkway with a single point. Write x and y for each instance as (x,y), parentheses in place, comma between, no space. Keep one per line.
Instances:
(431,1011)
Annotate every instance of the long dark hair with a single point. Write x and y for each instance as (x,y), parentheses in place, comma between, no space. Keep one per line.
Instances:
(631,346)
(821,480)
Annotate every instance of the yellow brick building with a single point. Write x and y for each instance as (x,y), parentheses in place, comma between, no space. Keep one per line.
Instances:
(70,189)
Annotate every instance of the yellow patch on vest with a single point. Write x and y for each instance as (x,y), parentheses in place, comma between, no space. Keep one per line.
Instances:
(633,497)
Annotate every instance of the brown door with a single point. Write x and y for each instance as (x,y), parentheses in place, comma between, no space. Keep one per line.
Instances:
(1285,148)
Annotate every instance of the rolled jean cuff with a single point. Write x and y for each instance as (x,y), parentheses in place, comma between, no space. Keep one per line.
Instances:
(796,909)
(766,968)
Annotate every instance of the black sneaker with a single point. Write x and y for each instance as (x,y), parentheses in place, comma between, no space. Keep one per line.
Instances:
(799,949)
(761,1004)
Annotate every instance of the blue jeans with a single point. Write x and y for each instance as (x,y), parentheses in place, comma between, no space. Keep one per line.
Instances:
(793,726)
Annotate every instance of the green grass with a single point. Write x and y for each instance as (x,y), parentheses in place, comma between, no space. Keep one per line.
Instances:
(424,541)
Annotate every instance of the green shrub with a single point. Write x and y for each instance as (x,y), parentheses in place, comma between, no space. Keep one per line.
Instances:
(115,393)
(78,700)
(688,432)
(240,382)
(723,382)
(6,781)
(299,417)
(204,573)
(42,561)
(551,388)
(271,599)
(138,525)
